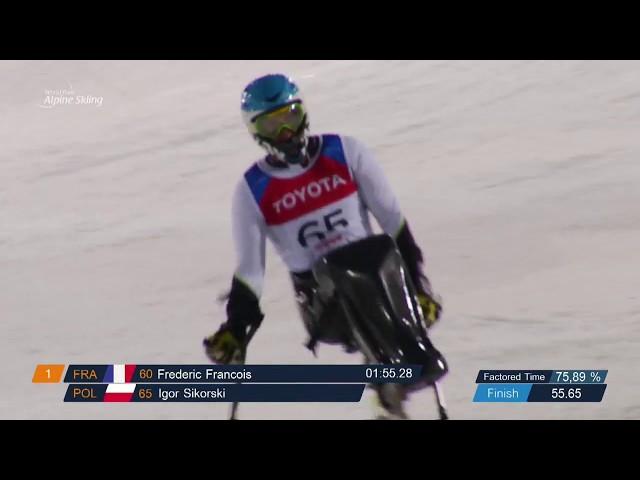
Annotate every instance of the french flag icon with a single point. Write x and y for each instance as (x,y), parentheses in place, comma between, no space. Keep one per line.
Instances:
(119,373)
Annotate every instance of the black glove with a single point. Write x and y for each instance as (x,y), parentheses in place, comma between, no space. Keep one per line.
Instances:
(431,308)
(224,346)
(243,313)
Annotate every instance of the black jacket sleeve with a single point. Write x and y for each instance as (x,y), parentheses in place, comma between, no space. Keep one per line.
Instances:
(243,309)
(413,258)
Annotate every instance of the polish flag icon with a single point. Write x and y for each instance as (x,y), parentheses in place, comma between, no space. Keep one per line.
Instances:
(119,392)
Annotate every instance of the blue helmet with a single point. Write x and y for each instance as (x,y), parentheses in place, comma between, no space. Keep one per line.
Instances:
(274,112)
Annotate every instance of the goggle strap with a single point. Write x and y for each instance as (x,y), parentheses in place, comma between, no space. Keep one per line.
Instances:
(274,109)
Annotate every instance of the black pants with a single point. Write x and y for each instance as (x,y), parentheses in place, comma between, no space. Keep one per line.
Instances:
(321,314)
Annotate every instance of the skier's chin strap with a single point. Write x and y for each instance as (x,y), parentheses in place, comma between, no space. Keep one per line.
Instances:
(279,159)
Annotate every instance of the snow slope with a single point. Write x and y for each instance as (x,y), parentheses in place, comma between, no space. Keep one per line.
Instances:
(521,180)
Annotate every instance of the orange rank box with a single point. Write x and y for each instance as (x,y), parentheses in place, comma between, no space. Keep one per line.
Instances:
(48,373)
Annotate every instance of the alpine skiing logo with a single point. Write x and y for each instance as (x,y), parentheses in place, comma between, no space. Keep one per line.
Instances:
(60,97)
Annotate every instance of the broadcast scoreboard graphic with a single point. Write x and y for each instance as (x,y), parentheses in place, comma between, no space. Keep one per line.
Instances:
(221,383)
(300,383)
(540,385)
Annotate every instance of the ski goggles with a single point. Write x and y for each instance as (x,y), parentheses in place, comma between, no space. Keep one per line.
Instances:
(270,124)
